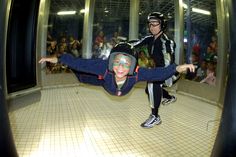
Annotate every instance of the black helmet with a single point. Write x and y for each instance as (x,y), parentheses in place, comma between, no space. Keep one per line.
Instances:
(126,49)
(158,16)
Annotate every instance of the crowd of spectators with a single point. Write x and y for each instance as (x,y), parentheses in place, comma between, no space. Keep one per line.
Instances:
(205,64)
(61,46)
(101,47)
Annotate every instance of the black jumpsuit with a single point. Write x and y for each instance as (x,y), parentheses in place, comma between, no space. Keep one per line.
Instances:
(161,50)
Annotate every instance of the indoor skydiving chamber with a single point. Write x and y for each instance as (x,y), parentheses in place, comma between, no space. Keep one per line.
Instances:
(203,31)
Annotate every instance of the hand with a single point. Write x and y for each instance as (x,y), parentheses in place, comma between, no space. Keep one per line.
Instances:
(48,59)
(184,67)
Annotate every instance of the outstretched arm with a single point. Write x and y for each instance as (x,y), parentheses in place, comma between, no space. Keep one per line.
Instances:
(184,67)
(162,73)
(92,66)
(52,59)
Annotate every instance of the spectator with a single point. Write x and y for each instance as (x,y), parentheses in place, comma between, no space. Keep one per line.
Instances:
(143,60)
(212,50)
(98,44)
(211,76)
(74,50)
(201,71)
(63,42)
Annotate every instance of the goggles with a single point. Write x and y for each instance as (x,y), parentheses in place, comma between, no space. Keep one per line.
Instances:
(122,60)
(153,24)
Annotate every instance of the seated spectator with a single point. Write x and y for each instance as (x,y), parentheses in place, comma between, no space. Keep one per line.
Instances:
(52,47)
(51,50)
(98,44)
(201,71)
(211,76)
(61,49)
(100,39)
(74,50)
(63,42)
(196,49)
(143,60)
(73,41)
(212,50)
(114,40)
(49,39)
(213,45)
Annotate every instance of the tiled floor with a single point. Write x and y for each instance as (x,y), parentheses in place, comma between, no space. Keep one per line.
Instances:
(84,121)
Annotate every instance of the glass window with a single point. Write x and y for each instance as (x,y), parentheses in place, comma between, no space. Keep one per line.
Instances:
(65,30)
(200,39)
(111,25)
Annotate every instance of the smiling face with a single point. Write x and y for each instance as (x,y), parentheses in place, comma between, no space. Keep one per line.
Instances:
(121,66)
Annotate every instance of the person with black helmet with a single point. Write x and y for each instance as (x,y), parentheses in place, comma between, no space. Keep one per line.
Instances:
(161,50)
(119,73)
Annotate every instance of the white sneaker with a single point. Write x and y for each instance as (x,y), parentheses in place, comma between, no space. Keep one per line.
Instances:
(151,121)
(168,101)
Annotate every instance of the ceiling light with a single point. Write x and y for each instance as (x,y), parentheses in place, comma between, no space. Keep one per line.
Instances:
(196,10)
(66,12)
(82,11)
(201,11)
(185,6)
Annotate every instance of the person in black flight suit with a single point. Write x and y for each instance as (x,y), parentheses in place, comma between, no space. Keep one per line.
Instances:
(161,50)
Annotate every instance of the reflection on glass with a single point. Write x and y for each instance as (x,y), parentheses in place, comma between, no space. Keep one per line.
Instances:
(111,23)
(65,29)
(200,40)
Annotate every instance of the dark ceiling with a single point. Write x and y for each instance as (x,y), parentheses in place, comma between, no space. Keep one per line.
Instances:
(120,8)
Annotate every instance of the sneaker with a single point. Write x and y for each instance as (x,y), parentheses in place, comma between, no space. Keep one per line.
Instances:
(151,121)
(168,101)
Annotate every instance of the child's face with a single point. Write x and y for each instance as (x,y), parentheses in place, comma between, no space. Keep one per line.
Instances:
(121,66)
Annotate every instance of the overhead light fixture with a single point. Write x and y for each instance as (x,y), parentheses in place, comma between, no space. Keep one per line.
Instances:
(197,10)
(105,10)
(184,5)
(66,12)
(82,11)
(201,11)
